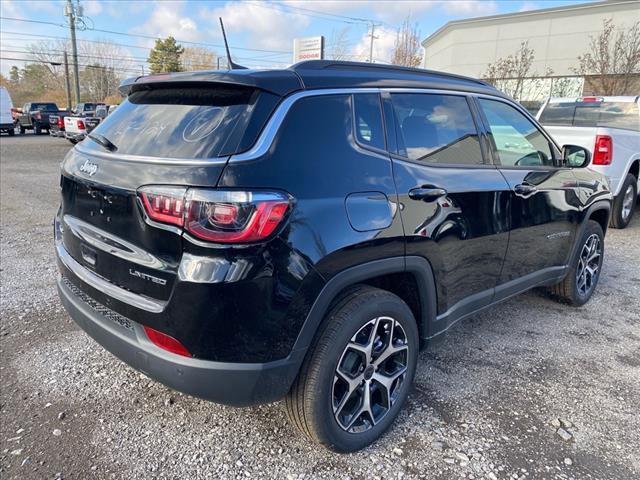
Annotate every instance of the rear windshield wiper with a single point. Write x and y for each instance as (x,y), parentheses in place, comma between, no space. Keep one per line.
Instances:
(102,140)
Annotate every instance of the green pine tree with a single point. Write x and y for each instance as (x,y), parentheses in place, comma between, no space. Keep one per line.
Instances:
(165,56)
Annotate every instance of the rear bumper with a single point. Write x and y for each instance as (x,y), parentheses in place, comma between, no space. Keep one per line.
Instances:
(74,136)
(236,384)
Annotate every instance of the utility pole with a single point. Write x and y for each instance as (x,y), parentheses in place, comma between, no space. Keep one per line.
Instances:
(67,80)
(373,37)
(70,11)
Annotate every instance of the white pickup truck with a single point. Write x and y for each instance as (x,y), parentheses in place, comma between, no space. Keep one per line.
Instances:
(609,127)
(76,128)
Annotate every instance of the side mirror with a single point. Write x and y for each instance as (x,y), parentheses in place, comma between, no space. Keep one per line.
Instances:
(575,156)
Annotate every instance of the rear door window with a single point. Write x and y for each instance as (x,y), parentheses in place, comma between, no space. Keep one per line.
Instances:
(186,122)
(624,115)
(436,129)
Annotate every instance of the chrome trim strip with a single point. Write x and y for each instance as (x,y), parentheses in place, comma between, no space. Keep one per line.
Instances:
(262,145)
(269,132)
(197,162)
(99,283)
(113,245)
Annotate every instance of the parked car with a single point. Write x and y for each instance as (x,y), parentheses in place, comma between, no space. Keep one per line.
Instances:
(609,127)
(56,123)
(86,109)
(76,128)
(248,236)
(6,118)
(35,116)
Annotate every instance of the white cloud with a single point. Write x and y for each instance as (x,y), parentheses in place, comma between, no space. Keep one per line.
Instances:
(167,19)
(528,6)
(92,7)
(470,8)
(397,11)
(267,26)
(382,46)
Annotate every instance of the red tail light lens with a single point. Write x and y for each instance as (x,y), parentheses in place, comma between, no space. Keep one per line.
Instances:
(166,342)
(220,216)
(80,124)
(232,216)
(164,204)
(60,122)
(603,150)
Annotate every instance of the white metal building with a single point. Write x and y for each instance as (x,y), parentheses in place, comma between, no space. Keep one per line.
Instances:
(558,36)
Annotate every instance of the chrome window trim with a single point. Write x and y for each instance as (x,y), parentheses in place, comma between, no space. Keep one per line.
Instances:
(269,132)
(99,283)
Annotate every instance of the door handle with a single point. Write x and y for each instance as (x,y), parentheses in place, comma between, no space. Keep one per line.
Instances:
(427,193)
(524,189)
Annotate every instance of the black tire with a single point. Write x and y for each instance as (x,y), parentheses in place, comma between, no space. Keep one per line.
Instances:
(311,401)
(22,130)
(37,129)
(73,142)
(11,132)
(625,203)
(570,290)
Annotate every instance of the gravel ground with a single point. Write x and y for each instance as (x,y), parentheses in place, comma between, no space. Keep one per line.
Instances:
(530,389)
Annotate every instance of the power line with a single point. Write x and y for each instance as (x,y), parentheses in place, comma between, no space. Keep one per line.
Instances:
(148,37)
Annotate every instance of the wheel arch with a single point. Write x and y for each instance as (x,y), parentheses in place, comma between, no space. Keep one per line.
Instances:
(634,169)
(390,274)
(599,211)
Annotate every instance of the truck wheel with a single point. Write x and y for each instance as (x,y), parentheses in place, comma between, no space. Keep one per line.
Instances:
(11,132)
(37,129)
(22,130)
(625,203)
(584,270)
(356,376)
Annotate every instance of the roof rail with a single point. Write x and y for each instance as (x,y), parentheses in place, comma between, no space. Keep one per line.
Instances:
(327,64)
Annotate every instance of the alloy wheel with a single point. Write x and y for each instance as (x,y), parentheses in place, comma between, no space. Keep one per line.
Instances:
(369,375)
(588,265)
(627,203)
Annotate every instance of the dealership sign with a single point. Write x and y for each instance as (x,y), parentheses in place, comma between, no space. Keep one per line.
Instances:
(308,48)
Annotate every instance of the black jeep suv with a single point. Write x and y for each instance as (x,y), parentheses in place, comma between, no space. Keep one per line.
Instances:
(245,236)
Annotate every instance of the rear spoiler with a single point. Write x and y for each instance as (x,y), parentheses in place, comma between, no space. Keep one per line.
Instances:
(279,82)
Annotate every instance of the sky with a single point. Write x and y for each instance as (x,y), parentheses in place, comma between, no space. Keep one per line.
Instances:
(260,33)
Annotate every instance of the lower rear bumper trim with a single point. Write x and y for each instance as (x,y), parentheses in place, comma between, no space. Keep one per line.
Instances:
(235,384)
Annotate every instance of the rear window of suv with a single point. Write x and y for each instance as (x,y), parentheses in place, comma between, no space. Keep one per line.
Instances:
(188,122)
(592,114)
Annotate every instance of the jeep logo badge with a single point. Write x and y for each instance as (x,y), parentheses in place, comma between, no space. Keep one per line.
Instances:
(89,168)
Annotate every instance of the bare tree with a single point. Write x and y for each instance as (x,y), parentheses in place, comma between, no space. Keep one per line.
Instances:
(509,73)
(613,56)
(338,48)
(198,58)
(406,50)
(102,66)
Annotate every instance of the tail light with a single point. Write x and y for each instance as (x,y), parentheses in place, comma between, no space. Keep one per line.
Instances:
(603,150)
(220,216)
(166,342)
(80,124)
(60,122)
(164,204)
